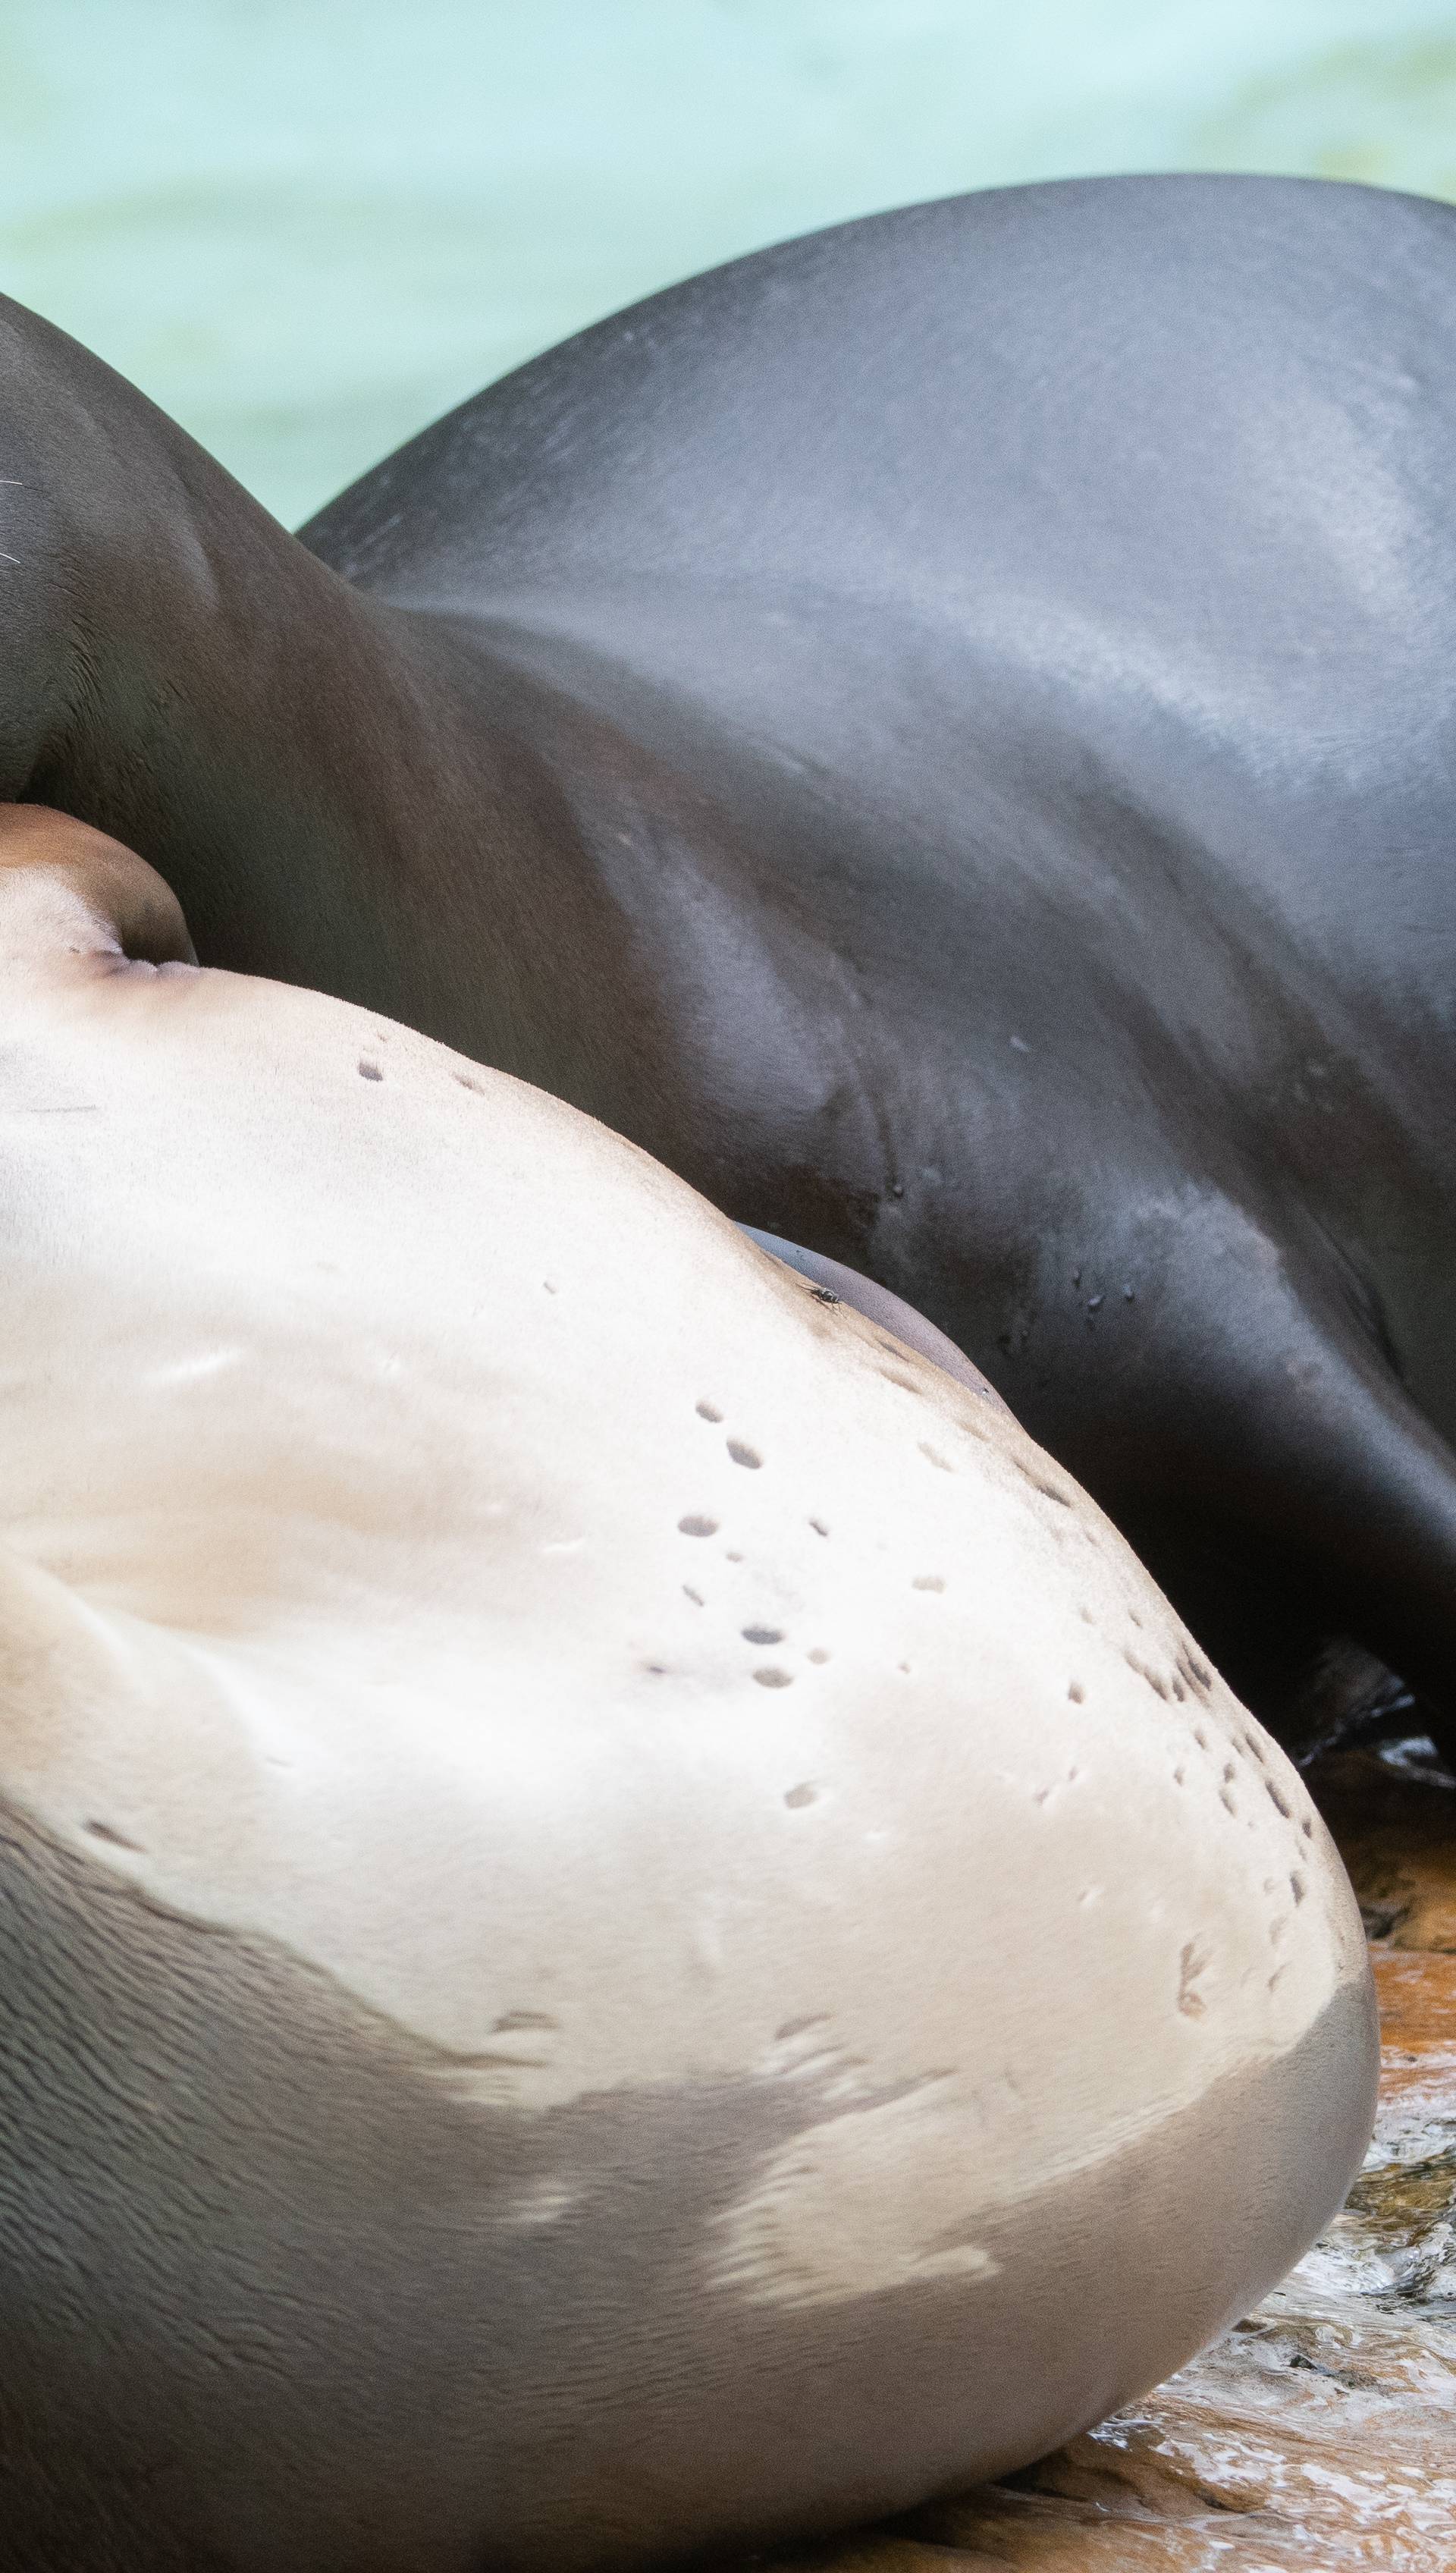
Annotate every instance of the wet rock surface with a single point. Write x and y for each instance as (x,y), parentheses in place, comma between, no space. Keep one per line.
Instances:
(1322,2431)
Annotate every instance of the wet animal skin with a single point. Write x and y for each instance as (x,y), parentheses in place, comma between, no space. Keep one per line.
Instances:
(943,734)
(625,1923)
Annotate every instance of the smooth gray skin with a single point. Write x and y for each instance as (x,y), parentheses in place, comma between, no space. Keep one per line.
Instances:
(940,731)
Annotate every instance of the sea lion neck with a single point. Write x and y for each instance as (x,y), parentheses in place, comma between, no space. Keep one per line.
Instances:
(176,670)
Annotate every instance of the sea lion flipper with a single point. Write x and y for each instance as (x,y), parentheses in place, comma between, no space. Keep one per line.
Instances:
(1379,1484)
(1277,1398)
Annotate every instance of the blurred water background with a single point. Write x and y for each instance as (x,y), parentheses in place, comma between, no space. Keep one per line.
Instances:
(306,227)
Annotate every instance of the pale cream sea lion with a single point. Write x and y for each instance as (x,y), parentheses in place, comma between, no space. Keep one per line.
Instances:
(625,1924)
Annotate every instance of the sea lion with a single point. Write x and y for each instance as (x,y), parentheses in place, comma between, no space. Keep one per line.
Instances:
(941,732)
(624,1920)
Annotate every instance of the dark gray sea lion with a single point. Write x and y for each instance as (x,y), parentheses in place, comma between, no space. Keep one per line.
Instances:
(944,734)
(624,1920)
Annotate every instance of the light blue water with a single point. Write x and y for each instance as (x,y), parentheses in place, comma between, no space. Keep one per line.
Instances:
(308,226)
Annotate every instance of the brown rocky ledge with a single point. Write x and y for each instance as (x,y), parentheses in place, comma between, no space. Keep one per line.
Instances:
(1320,2433)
